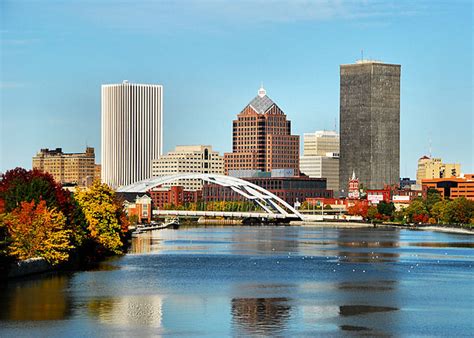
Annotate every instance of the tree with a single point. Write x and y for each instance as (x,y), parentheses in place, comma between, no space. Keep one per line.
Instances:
(359,208)
(385,208)
(460,211)
(417,211)
(432,197)
(36,231)
(372,212)
(19,185)
(106,220)
(439,211)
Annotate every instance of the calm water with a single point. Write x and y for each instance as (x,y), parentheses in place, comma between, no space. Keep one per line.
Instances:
(247,281)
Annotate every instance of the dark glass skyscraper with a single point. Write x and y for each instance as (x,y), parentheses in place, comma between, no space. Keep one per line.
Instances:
(370,124)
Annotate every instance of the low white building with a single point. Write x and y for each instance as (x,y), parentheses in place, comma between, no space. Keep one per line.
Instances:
(322,167)
(189,159)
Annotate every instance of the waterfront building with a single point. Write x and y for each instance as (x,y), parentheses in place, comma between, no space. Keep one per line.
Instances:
(370,124)
(451,187)
(175,195)
(262,139)
(189,159)
(429,168)
(132,131)
(375,196)
(67,168)
(140,207)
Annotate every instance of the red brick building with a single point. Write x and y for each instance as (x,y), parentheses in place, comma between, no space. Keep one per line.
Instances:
(140,207)
(174,195)
(262,138)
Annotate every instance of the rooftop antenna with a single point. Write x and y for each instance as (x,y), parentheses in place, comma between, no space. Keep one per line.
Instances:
(335,124)
(430,146)
(362,55)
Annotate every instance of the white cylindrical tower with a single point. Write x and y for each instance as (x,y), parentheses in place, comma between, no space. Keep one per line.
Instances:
(132,131)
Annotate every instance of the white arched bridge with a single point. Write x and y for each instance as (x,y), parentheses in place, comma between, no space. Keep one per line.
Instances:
(272,206)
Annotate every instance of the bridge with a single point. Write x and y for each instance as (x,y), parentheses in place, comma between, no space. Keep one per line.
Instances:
(272,206)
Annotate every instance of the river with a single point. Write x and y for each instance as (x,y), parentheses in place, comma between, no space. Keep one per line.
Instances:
(257,280)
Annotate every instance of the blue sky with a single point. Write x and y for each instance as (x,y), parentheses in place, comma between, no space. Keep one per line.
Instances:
(211,57)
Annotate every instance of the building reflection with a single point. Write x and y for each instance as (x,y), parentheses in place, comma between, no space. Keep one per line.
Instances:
(370,246)
(145,243)
(360,295)
(261,316)
(128,310)
(265,240)
(37,299)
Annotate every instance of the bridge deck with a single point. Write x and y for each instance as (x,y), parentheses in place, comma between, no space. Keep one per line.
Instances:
(229,214)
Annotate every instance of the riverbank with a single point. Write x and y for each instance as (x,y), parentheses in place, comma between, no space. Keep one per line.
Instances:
(357,225)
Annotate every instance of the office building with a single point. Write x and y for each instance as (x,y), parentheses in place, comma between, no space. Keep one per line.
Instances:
(262,139)
(430,168)
(370,124)
(132,131)
(189,159)
(322,167)
(67,168)
(451,187)
(320,143)
(321,157)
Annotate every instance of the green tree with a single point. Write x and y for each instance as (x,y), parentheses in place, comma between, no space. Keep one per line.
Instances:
(372,212)
(385,208)
(416,211)
(439,211)
(432,197)
(460,211)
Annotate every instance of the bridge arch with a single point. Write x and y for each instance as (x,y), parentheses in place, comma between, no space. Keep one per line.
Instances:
(269,202)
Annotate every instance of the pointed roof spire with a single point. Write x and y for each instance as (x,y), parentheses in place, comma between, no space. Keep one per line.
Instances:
(353,175)
(262,92)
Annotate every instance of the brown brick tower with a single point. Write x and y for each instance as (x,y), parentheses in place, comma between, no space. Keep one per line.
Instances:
(262,138)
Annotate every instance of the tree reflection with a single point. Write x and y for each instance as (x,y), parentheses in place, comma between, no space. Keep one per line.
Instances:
(261,315)
(128,310)
(38,299)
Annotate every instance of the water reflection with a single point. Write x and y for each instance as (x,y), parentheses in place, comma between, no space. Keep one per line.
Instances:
(128,310)
(36,299)
(382,285)
(368,246)
(261,316)
(444,244)
(145,243)
(355,310)
(246,281)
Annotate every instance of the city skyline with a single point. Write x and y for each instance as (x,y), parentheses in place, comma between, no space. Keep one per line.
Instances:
(212,76)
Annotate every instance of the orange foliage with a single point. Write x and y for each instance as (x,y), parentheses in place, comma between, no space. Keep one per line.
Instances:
(37,231)
(359,209)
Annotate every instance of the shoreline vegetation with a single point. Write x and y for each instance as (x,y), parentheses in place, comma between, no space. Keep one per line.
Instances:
(45,227)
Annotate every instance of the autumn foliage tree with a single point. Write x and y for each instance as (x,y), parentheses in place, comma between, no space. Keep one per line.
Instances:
(105,218)
(359,208)
(37,231)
